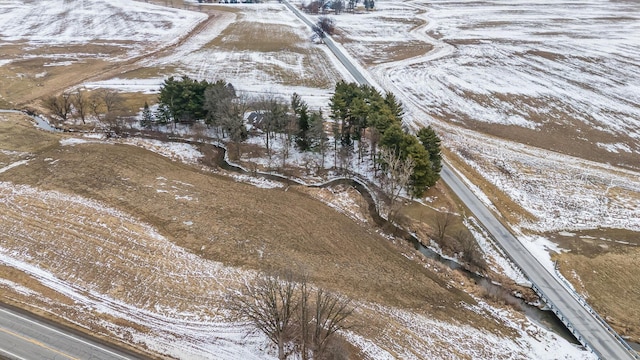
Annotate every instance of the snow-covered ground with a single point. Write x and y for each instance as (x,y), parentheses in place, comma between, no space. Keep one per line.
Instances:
(560,191)
(188,333)
(134,25)
(523,63)
(175,298)
(573,64)
(301,66)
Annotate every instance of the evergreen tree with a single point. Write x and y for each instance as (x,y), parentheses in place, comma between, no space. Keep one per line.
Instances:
(431,143)
(408,146)
(147,116)
(183,99)
(423,176)
(218,98)
(301,111)
(392,139)
(394,105)
(163,115)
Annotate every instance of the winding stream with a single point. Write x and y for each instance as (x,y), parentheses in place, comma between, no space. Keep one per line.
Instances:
(544,318)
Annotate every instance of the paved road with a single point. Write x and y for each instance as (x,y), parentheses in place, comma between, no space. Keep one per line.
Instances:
(592,331)
(601,340)
(26,338)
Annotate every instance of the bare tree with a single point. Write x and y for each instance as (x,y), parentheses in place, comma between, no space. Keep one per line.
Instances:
(318,135)
(60,105)
(275,116)
(338,6)
(96,105)
(290,128)
(443,219)
(113,101)
(303,339)
(80,105)
(471,253)
(325,26)
(232,120)
(294,320)
(396,177)
(270,304)
(114,111)
(313,7)
(331,313)
(318,321)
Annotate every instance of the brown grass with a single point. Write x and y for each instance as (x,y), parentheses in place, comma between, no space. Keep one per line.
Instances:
(149,72)
(610,280)
(250,36)
(18,133)
(605,270)
(258,229)
(26,80)
(512,212)
(243,226)
(390,52)
(284,44)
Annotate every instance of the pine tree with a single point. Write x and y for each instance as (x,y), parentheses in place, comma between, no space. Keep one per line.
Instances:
(147,116)
(431,143)
(301,111)
(317,135)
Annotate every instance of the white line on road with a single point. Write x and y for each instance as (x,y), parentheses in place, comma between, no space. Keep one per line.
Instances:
(64,334)
(14,356)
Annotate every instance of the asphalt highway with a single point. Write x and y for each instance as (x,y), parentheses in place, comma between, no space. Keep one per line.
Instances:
(587,328)
(571,311)
(23,337)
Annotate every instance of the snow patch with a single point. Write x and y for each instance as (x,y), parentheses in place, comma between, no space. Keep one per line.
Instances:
(259,182)
(11,166)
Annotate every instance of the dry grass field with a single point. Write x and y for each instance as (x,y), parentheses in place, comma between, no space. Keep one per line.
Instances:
(259,230)
(118,223)
(601,264)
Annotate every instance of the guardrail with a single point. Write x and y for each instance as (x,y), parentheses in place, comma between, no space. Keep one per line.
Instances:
(564,320)
(556,311)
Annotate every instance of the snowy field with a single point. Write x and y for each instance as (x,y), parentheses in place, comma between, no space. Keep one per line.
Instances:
(132,24)
(194,326)
(572,66)
(260,49)
(522,63)
(172,301)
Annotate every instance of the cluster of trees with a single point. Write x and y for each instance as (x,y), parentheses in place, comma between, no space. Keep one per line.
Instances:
(338,6)
(219,106)
(366,119)
(103,105)
(324,26)
(296,318)
(364,122)
(188,101)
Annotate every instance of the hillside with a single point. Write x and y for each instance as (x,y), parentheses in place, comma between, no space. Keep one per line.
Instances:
(144,246)
(130,244)
(537,106)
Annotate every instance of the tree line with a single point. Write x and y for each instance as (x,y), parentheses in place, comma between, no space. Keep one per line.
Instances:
(365,119)
(104,105)
(364,124)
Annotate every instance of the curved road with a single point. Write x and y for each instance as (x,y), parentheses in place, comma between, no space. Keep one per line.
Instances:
(587,328)
(23,337)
